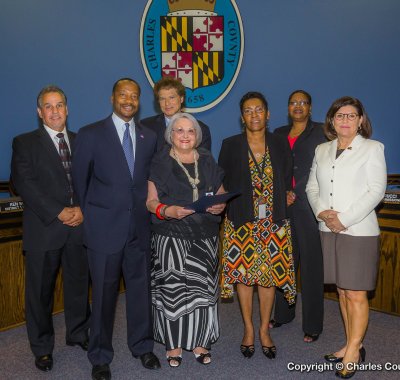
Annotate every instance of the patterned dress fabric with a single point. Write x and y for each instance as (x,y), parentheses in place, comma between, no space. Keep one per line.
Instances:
(259,252)
(184,290)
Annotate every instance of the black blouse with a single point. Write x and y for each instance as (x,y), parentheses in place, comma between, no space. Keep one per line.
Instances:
(173,188)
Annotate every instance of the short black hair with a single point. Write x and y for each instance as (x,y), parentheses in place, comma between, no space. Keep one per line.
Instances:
(305,93)
(253,95)
(125,79)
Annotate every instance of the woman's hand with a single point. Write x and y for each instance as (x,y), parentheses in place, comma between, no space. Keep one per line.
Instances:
(290,197)
(177,212)
(216,209)
(330,217)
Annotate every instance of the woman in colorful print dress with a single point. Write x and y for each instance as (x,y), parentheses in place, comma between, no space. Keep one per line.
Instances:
(257,248)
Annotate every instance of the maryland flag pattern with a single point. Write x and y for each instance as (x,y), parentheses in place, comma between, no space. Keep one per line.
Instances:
(259,252)
(192,49)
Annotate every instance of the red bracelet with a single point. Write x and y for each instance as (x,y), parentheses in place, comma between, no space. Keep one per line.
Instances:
(158,209)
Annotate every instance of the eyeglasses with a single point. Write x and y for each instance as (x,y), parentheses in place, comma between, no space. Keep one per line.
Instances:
(350,116)
(181,131)
(299,103)
(249,111)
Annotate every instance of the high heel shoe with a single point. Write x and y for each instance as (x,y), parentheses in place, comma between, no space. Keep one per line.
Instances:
(174,361)
(347,374)
(331,358)
(203,358)
(247,351)
(269,352)
(363,353)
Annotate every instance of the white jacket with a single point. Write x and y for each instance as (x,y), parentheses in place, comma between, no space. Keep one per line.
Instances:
(352,184)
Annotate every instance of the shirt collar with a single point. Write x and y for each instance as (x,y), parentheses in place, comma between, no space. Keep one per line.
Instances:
(54,133)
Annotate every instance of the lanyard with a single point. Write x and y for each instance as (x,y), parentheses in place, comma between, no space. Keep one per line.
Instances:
(261,171)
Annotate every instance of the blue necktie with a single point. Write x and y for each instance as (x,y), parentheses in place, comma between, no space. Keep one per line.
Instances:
(127,146)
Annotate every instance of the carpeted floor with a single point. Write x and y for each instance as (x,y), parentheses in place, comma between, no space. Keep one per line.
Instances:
(382,345)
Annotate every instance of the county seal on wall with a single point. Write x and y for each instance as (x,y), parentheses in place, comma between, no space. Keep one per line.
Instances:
(199,42)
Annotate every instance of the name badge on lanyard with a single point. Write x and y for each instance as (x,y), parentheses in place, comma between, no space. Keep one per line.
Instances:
(262,208)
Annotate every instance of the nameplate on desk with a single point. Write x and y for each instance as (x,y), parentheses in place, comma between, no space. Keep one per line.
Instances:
(8,205)
(392,198)
(392,195)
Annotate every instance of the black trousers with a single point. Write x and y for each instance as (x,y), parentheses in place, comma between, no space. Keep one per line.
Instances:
(306,252)
(105,270)
(41,269)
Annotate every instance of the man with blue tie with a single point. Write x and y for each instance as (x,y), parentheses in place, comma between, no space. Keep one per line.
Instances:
(111,166)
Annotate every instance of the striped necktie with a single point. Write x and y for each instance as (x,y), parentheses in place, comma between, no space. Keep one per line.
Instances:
(65,156)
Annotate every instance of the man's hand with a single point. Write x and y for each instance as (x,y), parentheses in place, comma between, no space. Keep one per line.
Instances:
(71,216)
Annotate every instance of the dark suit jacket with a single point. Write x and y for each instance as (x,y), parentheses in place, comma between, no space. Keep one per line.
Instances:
(39,177)
(234,159)
(110,199)
(157,124)
(303,154)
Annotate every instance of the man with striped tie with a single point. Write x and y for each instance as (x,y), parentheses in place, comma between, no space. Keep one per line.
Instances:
(52,228)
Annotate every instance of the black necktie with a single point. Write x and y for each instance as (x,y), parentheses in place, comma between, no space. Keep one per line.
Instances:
(65,155)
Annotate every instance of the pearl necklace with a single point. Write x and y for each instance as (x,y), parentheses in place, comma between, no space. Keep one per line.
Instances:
(193,181)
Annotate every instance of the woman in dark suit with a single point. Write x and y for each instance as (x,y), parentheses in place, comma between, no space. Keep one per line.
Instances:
(303,135)
(257,249)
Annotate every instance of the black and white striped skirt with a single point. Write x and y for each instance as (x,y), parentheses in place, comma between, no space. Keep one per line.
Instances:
(184,289)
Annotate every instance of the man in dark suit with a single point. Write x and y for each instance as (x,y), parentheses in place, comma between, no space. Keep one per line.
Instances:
(52,230)
(111,166)
(170,95)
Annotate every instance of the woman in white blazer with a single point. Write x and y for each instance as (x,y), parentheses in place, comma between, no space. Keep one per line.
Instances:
(347,181)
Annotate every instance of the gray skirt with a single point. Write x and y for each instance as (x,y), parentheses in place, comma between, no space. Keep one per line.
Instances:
(350,262)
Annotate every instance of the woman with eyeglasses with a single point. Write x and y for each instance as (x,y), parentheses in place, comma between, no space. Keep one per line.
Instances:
(347,181)
(185,244)
(303,135)
(257,248)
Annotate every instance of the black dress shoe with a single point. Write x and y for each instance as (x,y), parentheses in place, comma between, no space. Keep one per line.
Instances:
(101,372)
(149,360)
(84,344)
(44,362)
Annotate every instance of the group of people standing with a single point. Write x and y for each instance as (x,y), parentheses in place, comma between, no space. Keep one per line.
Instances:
(117,198)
